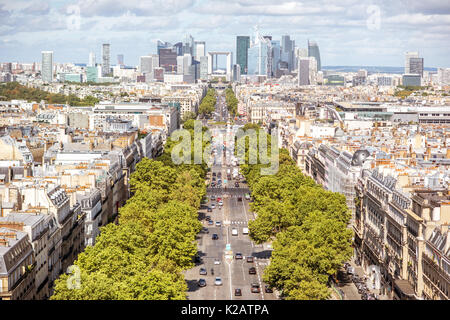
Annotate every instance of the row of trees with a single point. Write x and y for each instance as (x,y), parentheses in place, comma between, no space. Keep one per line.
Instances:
(14,90)
(143,257)
(208,104)
(307,224)
(231,101)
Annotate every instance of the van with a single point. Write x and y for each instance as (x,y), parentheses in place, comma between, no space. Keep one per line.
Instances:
(244,230)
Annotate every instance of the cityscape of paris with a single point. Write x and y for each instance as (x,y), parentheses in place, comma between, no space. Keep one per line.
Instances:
(265,152)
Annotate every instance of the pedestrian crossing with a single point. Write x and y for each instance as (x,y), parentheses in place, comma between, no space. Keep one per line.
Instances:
(239,222)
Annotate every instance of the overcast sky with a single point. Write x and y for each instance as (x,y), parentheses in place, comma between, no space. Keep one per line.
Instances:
(348,32)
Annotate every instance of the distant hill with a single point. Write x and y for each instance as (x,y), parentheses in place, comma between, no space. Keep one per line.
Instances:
(370,69)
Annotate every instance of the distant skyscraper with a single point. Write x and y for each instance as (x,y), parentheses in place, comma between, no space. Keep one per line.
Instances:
(276,56)
(236,73)
(47,66)
(91,74)
(92,61)
(287,51)
(168,59)
(146,64)
(303,71)
(178,48)
(416,66)
(259,56)
(204,68)
(120,59)
(188,45)
(408,56)
(106,58)
(162,45)
(242,46)
(313,51)
(199,49)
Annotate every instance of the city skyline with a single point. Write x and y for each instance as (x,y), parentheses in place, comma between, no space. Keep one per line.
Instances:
(77,28)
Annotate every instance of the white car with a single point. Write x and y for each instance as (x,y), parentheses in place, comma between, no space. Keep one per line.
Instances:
(234,232)
(244,230)
(216,261)
(220,203)
(218,281)
(218,223)
(213,206)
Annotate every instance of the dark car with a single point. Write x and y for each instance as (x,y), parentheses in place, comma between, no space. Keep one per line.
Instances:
(268,289)
(202,283)
(214,174)
(250,259)
(239,198)
(209,209)
(219,174)
(213,184)
(213,179)
(238,256)
(252,270)
(197,259)
(215,236)
(255,288)
(203,272)
(205,230)
(237,292)
(236,184)
(208,218)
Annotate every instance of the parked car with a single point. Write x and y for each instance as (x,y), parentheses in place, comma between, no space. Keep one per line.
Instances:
(218,223)
(252,270)
(236,184)
(210,222)
(216,261)
(209,209)
(238,256)
(350,270)
(244,230)
(208,218)
(202,283)
(220,203)
(268,289)
(203,272)
(237,292)
(247,196)
(215,236)
(250,259)
(255,288)
(234,232)
(239,198)
(205,230)
(213,198)
(218,281)
(213,205)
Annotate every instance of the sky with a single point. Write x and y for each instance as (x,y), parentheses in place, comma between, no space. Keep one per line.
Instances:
(348,32)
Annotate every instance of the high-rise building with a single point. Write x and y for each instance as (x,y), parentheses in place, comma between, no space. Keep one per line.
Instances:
(287,51)
(91,74)
(120,59)
(411,80)
(236,73)
(199,49)
(162,45)
(146,64)
(276,56)
(168,59)
(416,66)
(242,46)
(47,66)
(188,45)
(408,56)
(258,56)
(204,68)
(106,58)
(92,61)
(178,48)
(313,51)
(303,71)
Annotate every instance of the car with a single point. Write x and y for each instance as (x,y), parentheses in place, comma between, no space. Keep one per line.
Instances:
(197,259)
(350,270)
(214,174)
(220,203)
(244,230)
(255,288)
(250,259)
(213,206)
(205,230)
(238,256)
(237,292)
(207,218)
(218,281)
(210,222)
(209,209)
(218,223)
(247,196)
(236,184)
(219,199)
(213,198)
(213,184)
(216,261)
(213,179)
(234,232)
(252,270)
(239,198)
(215,236)
(219,174)
(203,272)
(268,289)
(202,283)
